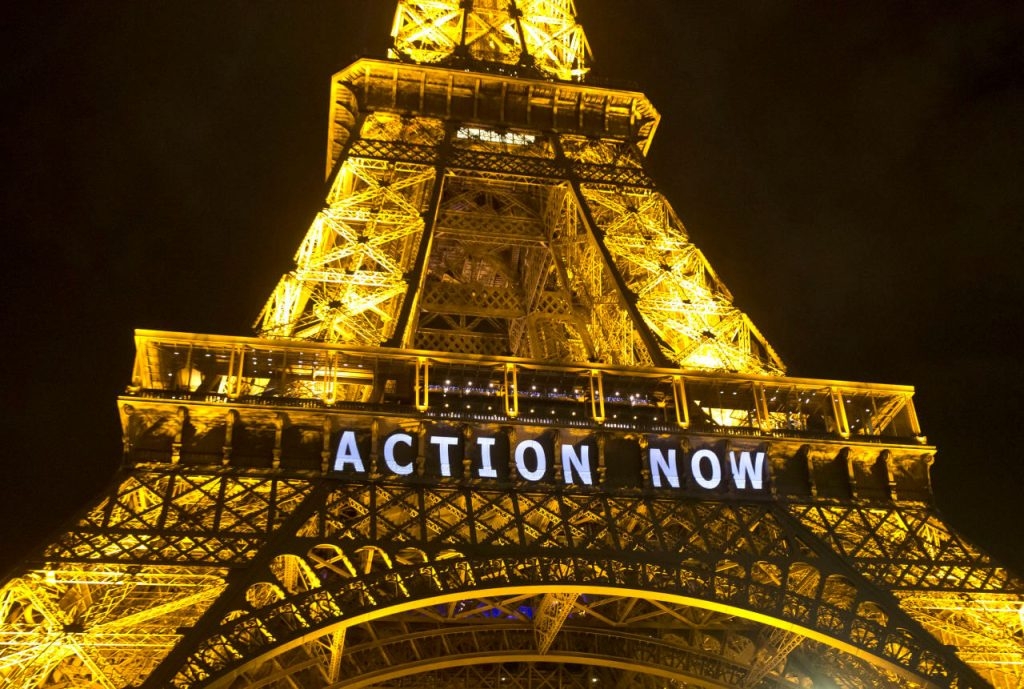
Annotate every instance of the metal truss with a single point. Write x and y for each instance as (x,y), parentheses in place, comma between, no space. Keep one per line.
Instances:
(343,580)
(494,214)
(363,553)
(664,643)
(551,613)
(350,276)
(760,575)
(97,625)
(459,238)
(954,591)
(538,36)
(181,518)
(494,260)
(883,585)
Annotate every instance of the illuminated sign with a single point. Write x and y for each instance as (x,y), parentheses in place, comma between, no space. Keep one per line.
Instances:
(541,459)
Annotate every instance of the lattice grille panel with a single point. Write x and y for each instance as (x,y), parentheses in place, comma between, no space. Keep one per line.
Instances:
(473,299)
(104,626)
(350,277)
(677,293)
(542,34)
(461,343)
(744,556)
(168,518)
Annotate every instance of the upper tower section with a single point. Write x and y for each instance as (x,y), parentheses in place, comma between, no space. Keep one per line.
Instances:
(485,201)
(534,36)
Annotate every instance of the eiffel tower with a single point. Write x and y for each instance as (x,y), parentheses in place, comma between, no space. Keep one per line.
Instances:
(502,427)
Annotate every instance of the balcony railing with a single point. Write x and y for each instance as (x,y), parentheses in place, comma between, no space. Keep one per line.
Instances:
(225,370)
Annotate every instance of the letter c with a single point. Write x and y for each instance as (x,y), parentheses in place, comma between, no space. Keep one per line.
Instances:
(389,453)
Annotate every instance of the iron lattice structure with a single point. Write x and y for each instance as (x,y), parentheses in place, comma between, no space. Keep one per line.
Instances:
(502,210)
(504,428)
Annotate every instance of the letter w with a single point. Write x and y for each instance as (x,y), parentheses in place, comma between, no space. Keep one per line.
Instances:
(746,469)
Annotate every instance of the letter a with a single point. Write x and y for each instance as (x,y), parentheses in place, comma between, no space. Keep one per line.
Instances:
(348,453)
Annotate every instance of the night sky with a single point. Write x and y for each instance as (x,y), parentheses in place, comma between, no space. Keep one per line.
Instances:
(851,169)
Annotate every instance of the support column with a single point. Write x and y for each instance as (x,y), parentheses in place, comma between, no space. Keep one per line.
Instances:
(551,615)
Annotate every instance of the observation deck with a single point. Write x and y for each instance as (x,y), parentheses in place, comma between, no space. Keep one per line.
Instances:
(192,393)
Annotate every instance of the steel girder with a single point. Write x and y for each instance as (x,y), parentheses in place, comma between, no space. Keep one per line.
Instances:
(871,580)
(550,247)
(487,204)
(753,560)
(539,36)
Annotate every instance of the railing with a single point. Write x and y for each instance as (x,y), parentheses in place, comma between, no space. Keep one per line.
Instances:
(220,370)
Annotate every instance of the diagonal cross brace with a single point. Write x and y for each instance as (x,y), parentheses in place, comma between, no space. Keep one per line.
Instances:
(551,614)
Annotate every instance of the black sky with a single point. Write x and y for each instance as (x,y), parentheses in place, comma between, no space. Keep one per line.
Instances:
(852,170)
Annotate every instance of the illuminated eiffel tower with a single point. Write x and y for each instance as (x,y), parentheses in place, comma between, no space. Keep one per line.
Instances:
(503,428)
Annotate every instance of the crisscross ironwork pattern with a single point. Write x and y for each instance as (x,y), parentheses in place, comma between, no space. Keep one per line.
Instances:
(536,34)
(887,584)
(450,544)
(552,248)
(493,265)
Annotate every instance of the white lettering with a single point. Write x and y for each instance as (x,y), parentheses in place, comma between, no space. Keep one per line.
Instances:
(745,469)
(348,453)
(542,461)
(487,470)
(581,464)
(698,473)
(748,467)
(662,467)
(444,442)
(389,453)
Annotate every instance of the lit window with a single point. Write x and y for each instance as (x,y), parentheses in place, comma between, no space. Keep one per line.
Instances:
(491,136)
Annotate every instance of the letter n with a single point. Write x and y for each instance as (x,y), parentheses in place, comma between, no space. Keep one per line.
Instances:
(664,467)
(578,464)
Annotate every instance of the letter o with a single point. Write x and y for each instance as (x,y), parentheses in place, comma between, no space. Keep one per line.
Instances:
(696,468)
(542,460)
